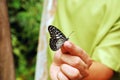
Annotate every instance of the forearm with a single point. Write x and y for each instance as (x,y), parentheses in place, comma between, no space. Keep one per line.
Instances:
(98,71)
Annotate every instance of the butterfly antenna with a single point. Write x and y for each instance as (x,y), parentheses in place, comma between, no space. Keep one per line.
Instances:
(70,34)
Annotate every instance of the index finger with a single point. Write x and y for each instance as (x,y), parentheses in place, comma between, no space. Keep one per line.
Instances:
(77,51)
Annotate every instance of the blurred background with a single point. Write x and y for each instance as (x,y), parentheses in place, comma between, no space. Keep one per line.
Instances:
(25,16)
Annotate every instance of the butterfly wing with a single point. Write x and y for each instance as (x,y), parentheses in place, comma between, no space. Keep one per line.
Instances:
(57,38)
(54,32)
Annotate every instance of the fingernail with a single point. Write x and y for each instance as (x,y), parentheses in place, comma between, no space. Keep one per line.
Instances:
(68,44)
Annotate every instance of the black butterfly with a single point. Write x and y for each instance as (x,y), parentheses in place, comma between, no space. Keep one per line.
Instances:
(57,38)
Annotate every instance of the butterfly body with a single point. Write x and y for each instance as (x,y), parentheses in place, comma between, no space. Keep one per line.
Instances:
(57,38)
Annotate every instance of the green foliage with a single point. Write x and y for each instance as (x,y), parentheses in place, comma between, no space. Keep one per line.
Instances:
(25,18)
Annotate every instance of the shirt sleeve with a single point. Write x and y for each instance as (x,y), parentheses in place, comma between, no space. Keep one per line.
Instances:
(108,50)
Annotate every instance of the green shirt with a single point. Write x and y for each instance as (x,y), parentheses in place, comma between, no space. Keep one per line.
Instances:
(96,26)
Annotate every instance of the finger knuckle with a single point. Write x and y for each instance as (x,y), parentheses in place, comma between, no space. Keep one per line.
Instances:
(75,75)
(77,61)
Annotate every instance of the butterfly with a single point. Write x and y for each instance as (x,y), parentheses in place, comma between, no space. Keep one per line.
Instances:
(57,38)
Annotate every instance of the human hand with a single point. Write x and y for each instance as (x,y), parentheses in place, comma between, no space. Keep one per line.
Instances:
(70,63)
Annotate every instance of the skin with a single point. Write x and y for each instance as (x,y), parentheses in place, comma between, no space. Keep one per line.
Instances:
(72,63)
